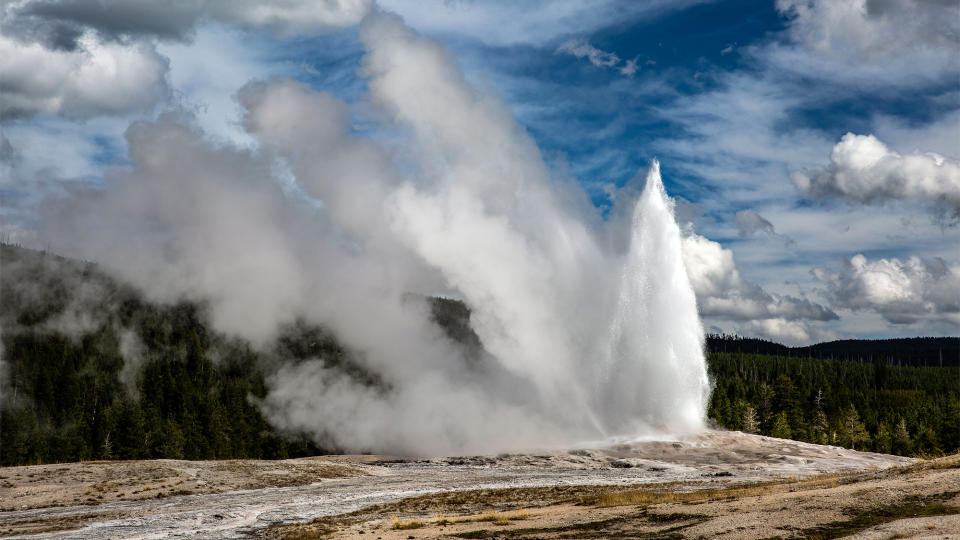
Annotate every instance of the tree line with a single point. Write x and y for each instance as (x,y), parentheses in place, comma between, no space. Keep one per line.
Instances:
(92,370)
(875,406)
(66,400)
(917,351)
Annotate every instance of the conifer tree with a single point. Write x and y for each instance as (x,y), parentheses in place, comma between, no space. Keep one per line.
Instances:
(854,430)
(749,423)
(820,424)
(902,444)
(781,426)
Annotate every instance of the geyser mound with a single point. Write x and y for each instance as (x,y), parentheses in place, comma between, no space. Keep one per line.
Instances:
(589,327)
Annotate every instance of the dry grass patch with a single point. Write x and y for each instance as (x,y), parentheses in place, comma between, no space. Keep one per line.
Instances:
(404,525)
(945,462)
(503,518)
(648,497)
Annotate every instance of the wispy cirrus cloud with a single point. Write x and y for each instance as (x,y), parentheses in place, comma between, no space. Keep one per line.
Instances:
(581,48)
(508,23)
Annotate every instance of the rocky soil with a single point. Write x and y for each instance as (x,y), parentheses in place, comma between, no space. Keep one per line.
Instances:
(711,484)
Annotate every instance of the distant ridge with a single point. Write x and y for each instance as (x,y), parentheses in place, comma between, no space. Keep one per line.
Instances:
(916,351)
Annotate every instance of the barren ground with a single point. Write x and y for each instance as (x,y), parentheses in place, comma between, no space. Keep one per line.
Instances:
(715,484)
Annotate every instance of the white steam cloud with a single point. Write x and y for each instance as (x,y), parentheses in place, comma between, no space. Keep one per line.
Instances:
(591,326)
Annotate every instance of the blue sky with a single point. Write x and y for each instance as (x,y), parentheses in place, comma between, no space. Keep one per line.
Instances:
(803,233)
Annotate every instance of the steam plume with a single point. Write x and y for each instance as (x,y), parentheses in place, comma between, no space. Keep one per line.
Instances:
(591,327)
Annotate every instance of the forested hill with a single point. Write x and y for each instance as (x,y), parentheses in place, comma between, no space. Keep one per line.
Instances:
(917,351)
(92,370)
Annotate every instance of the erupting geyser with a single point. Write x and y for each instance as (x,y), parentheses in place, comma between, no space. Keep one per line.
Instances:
(656,335)
(589,327)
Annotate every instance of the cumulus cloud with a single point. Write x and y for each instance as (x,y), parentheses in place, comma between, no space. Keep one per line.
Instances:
(900,42)
(321,224)
(728,301)
(114,19)
(786,331)
(722,293)
(750,223)
(863,170)
(871,29)
(902,291)
(86,58)
(93,79)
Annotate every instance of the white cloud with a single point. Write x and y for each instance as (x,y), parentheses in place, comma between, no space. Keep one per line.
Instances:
(208,71)
(506,22)
(723,294)
(581,49)
(94,79)
(734,139)
(939,135)
(786,331)
(870,42)
(902,291)
(177,20)
(85,58)
(862,169)
(289,17)
(868,30)
(629,68)
(750,223)
(728,302)
(78,149)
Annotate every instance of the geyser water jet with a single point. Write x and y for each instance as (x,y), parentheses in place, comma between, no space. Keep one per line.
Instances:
(590,327)
(656,335)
